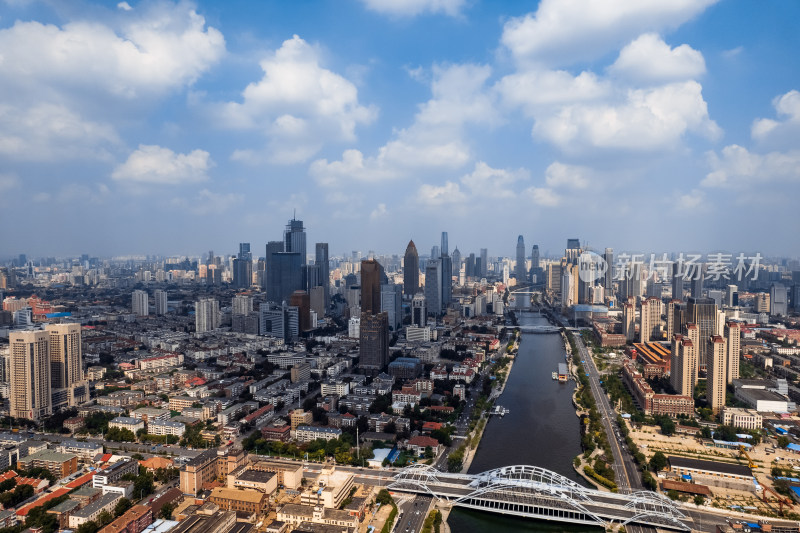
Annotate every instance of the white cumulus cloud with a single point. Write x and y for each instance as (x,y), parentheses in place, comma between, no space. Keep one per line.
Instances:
(298,104)
(648,119)
(648,58)
(49,132)
(152,164)
(787,106)
(411,8)
(565,31)
(567,176)
(737,167)
(543,196)
(162,48)
(434,195)
(434,141)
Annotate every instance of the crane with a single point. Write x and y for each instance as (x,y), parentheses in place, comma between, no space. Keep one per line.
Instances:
(750,462)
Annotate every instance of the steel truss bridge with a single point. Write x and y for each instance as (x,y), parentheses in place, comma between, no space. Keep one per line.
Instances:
(533,492)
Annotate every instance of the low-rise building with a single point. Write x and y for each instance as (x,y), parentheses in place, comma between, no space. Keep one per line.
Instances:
(59,464)
(148,414)
(245,500)
(134,520)
(300,417)
(166,427)
(309,433)
(725,475)
(741,418)
(288,474)
(113,473)
(297,514)
(105,502)
(266,482)
(126,422)
(85,450)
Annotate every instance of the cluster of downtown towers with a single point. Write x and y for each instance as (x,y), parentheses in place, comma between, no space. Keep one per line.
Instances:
(286,275)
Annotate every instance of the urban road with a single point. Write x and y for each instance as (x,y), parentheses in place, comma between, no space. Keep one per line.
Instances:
(627,474)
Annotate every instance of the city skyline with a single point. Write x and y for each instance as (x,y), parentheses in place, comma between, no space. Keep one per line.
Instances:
(170,128)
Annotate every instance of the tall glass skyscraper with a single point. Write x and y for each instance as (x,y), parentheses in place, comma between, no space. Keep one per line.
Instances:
(294,239)
(520,270)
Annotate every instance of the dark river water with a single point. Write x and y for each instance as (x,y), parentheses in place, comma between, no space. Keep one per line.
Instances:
(541,429)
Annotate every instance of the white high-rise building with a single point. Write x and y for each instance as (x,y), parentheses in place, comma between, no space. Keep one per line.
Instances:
(160,298)
(139,303)
(206,317)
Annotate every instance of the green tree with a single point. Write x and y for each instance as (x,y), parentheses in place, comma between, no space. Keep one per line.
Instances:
(705,432)
(699,499)
(88,527)
(104,518)
(783,441)
(166,511)
(658,462)
(384,497)
(122,505)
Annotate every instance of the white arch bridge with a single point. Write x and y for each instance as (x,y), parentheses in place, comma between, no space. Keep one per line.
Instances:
(533,492)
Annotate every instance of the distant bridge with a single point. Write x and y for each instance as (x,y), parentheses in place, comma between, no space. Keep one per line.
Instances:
(539,329)
(535,492)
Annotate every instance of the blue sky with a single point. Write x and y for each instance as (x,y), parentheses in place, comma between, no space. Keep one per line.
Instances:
(174,128)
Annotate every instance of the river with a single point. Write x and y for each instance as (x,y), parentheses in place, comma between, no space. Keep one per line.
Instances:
(541,429)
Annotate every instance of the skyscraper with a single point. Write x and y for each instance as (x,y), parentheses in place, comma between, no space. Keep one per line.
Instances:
(485,262)
(411,270)
(66,362)
(392,304)
(321,259)
(677,282)
(733,347)
(628,320)
(433,289)
(702,312)
(447,280)
(30,373)
(284,275)
(370,286)
(294,239)
(650,318)
(445,250)
(243,267)
(535,263)
(683,364)
(273,247)
(373,343)
(241,305)
(160,298)
(418,315)
(520,271)
(716,373)
(139,303)
(456,260)
(206,315)
(608,278)
(697,281)
(301,301)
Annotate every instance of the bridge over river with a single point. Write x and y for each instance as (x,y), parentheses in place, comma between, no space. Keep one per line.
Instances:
(533,492)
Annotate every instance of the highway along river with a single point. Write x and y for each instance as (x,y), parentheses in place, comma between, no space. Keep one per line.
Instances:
(541,429)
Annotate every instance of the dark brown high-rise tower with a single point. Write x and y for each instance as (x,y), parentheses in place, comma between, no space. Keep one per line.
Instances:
(411,270)
(370,287)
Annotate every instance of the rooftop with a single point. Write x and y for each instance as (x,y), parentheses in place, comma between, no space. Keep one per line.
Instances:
(710,466)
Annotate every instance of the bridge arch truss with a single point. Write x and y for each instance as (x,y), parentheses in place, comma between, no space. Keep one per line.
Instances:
(535,492)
